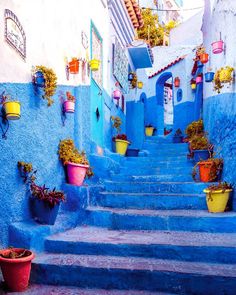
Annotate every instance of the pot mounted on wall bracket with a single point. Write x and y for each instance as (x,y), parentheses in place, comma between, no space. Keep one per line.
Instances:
(177,81)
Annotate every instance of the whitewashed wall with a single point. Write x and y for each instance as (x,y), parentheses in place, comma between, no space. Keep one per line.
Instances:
(53,31)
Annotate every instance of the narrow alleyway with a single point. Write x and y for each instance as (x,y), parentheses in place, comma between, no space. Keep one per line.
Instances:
(148,231)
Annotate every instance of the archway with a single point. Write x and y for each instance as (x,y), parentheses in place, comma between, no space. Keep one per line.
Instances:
(164,100)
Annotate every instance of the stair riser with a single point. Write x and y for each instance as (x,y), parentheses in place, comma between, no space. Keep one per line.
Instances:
(154,178)
(176,223)
(132,280)
(170,252)
(150,202)
(156,159)
(155,171)
(193,188)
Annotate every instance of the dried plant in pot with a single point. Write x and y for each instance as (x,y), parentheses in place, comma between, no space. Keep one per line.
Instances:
(200,147)
(76,162)
(223,76)
(121,140)
(69,103)
(16,266)
(194,128)
(45,202)
(209,170)
(217,196)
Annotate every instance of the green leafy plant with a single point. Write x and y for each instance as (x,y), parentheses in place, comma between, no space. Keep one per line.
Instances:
(195,128)
(216,166)
(51,197)
(50,82)
(69,153)
(222,76)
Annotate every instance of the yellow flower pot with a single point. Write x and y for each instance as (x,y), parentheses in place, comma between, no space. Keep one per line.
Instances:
(193,86)
(140,84)
(12,110)
(217,200)
(94,64)
(149,131)
(121,146)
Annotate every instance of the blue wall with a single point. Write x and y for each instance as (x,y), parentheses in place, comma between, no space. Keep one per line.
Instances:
(220,123)
(183,115)
(35,138)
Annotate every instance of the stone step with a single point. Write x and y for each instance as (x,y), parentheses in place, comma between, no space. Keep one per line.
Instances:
(153,178)
(156,159)
(154,171)
(150,201)
(170,245)
(30,234)
(155,187)
(35,289)
(176,220)
(163,147)
(160,164)
(110,272)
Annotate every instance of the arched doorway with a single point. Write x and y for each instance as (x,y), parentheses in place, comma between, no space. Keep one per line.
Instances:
(164,100)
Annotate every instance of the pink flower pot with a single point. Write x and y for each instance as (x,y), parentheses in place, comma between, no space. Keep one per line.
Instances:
(76,173)
(116,94)
(217,47)
(69,106)
(198,80)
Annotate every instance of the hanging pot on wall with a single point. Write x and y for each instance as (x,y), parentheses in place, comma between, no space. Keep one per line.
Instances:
(209,76)
(198,79)
(38,79)
(130,76)
(12,110)
(69,106)
(204,58)
(94,64)
(116,94)
(74,66)
(217,46)
(140,84)
(177,82)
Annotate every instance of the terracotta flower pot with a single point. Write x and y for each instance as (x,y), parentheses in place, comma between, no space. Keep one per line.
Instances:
(204,57)
(205,171)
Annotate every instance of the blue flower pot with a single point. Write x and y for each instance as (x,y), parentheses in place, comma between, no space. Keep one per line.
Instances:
(177,139)
(200,64)
(39,79)
(199,155)
(209,76)
(132,152)
(43,213)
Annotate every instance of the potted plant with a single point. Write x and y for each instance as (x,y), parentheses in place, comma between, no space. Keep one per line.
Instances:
(200,148)
(193,84)
(209,75)
(149,129)
(16,266)
(217,46)
(209,170)
(94,64)
(69,103)
(76,162)
(11,107)
(50,82)
(222,76)
(45,202)
(120,140)
(199,78)
(178,136)
(217,196)
(132,152)
(134,81)
(74,65)
(194,128)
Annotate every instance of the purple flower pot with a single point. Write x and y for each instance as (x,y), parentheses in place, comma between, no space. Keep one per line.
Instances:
(43,213)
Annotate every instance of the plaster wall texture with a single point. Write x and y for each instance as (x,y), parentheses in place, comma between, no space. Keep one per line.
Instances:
(219,111)
(188,32)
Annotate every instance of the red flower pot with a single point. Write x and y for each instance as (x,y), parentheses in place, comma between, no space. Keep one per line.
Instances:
(69,106)
(76,173)
(177,82)
(16,272)
(205,171)
(204,58)
(74,66)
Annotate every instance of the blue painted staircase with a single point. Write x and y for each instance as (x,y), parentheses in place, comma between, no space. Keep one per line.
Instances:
(146,230)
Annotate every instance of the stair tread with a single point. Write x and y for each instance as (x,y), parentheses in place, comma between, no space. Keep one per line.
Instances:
(98,235)
(152,194)
(37,289)
(148,212)
(136,264)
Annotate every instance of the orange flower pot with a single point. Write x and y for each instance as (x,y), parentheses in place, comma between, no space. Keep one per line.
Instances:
(74,66)
(205,171)
(204,57)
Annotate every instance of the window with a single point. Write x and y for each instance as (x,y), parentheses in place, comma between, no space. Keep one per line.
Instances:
(179,95)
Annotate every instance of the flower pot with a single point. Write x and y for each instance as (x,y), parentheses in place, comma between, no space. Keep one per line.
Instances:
(130,77)
(74,66)
(209,76)
(177,139)
(121,146)
(12,110)
(140,84)
(69,106)
(76,173)
(217,200)
(177,82)
(43,213)
(116,94)
(200,155)
(193,86)
(204,58)
(200,64)
(94,64)
(39,79)
(149,131)
(198,80)
(16,272)
(132,152)
(217,47)
(205,169)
